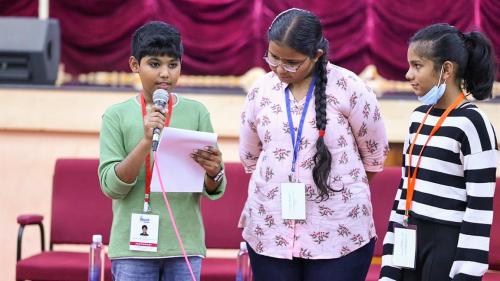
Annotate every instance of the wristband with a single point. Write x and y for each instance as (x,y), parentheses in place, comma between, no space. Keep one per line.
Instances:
(218,176)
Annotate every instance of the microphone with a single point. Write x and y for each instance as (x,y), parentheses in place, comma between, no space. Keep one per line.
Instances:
(160,98)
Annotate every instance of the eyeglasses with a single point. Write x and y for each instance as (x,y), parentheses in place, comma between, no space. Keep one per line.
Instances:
(272,62)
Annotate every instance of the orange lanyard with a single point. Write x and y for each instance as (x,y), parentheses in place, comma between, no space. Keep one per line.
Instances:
(149,169)
(412,178)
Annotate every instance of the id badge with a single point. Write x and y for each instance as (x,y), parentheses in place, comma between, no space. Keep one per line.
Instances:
(405,246)
(293,200)
(144,232)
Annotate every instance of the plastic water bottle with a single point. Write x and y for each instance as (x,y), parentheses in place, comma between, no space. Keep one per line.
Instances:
(244,271)
(95,258)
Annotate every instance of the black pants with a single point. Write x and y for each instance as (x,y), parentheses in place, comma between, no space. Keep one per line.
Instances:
(352,267)
(436,247)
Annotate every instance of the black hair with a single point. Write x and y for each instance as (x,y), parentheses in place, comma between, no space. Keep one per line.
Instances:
(471,52)
(301,30)
(144,226)
(156,38)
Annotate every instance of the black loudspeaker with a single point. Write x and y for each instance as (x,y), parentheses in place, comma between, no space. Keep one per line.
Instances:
(30,50)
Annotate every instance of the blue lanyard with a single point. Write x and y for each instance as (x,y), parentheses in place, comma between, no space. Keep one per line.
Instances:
(296,142)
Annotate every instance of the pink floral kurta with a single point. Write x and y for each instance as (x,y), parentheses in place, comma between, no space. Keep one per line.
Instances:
(356,138)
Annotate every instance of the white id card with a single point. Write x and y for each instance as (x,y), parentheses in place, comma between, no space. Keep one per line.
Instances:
(293,200)
(144,233)
(405,246)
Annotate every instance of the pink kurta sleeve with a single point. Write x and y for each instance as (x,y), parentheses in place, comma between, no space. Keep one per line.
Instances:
(250,145)
(364,116)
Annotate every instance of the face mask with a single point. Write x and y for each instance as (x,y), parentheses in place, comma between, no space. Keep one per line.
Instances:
(434,94)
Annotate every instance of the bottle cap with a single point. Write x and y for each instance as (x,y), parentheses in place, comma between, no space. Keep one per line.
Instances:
(243,245)
(97,238)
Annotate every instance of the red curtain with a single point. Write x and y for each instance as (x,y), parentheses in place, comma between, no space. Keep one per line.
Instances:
(228,37)
(395,21)
(490,23)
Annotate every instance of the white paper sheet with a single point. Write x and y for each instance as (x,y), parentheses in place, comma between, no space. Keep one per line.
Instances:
(179,172)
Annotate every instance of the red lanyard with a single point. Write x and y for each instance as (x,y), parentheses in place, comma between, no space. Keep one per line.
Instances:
(412,178)
(149,168)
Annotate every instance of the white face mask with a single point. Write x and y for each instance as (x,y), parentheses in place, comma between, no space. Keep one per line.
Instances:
(434,94)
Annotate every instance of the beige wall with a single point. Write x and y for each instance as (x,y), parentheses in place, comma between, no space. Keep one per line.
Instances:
(39,126)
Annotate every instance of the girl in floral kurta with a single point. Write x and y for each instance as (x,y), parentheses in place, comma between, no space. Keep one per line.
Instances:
(342,144)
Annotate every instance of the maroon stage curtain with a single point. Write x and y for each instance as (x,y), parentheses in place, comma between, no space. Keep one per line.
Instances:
(490,23)
(21,8)
(395,21)
(219,36)
(228,37)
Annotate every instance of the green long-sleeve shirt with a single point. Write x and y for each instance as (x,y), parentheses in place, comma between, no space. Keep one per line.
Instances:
(121,131)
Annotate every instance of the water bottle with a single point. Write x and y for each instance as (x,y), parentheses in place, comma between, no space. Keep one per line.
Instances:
(244,271)
(95,258)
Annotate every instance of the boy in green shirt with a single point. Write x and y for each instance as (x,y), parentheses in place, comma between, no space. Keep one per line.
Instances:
(125,147)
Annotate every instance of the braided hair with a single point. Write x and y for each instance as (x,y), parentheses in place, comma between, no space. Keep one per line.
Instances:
(301,30)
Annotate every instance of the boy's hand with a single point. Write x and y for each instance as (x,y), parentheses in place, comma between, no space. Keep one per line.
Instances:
(154,119)
(210,158)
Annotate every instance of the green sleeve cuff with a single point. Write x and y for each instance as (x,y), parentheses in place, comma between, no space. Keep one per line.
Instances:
(219,191)
(114,187)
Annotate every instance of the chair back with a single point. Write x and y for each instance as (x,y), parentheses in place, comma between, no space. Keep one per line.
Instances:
(79,208)
(221,216)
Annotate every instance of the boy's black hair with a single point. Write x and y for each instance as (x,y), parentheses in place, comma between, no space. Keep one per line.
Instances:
(472,52)
(301,30)
(144,226)
(156,38)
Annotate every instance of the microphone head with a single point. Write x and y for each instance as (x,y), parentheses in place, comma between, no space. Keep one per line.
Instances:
(160,97)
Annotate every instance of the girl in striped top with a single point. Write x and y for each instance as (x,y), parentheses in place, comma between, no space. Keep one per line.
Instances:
(449,161)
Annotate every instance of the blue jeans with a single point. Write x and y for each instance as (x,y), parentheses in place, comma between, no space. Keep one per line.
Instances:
(166,269)
(352,267)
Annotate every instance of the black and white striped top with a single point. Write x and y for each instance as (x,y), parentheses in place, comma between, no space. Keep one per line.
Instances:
(455,185)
